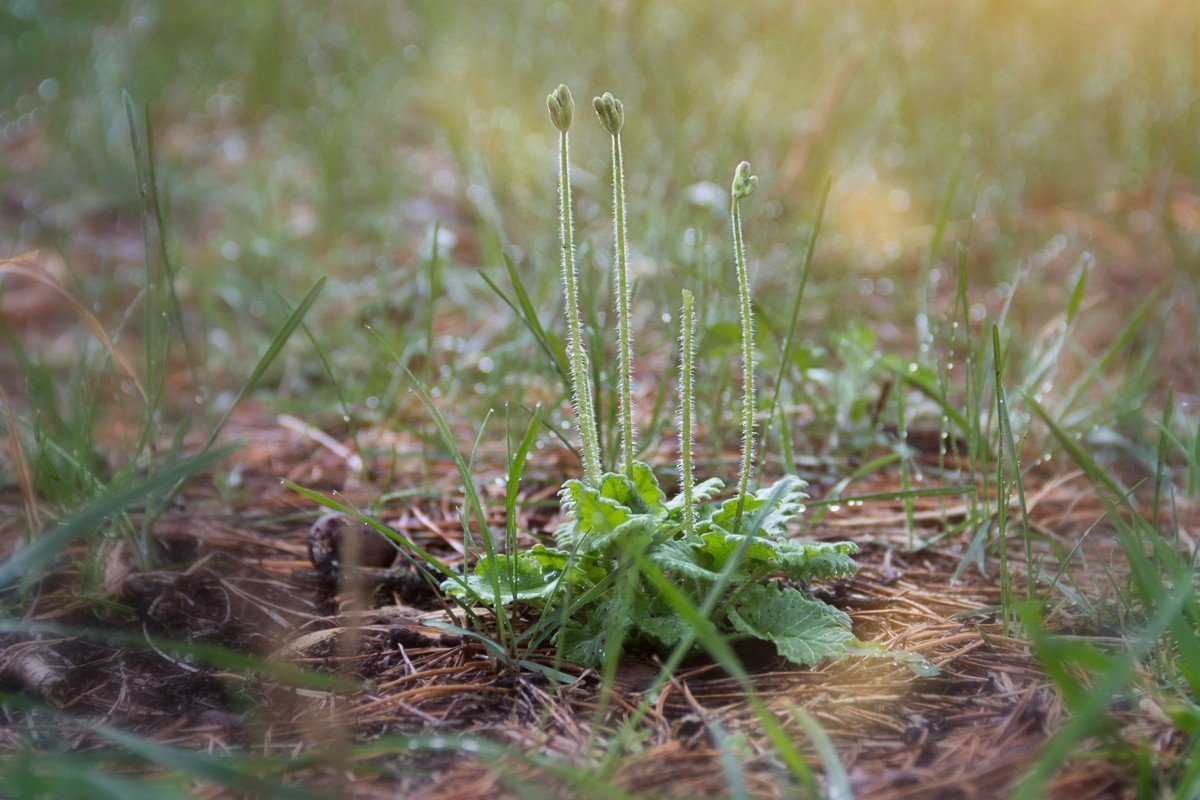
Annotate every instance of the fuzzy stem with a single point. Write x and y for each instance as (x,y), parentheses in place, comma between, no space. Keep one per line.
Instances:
(628,434)
(687,400)
(581,388)
(747,361)
(624,335)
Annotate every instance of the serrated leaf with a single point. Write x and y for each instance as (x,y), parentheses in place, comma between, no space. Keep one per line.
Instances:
(680,557)
(789,506)
(635,531)
(593,511)
(804,630)
(817,561)
(548,558)
(566,535)
(583,643)
(719,547)
(647,488)
(701,493)
(707,489)
(620,489)
(723,516)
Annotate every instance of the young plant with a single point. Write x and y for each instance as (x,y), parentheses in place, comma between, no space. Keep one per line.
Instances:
(624,540)
(562,108)
(629,514)
(612,117)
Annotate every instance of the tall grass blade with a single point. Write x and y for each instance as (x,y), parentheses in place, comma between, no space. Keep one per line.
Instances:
(785,354)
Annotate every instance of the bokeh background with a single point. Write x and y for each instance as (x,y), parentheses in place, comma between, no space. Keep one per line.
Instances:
(294,139)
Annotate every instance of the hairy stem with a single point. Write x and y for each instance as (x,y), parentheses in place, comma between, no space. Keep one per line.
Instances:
(687,400)
(581,388)
(628,434)
(747,360)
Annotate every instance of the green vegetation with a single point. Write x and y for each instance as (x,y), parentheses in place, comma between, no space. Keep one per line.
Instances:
(982,371)
(623,519)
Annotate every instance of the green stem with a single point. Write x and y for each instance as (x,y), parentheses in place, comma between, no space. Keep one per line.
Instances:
(747,361)
(687,399)
(581,388)
(623,332)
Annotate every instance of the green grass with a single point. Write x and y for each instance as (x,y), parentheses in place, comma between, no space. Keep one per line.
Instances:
(942,241)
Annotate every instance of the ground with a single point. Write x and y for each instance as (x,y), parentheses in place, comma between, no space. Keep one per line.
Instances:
(244,578)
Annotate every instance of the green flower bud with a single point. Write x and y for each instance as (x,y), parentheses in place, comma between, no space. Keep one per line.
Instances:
(743,181)
(561,106)
(610,111)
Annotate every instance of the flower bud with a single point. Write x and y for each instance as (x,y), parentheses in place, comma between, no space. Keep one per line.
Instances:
(610,111)
(743,181)
(561,106)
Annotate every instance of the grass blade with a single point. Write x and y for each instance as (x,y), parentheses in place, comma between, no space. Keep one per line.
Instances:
(27,564)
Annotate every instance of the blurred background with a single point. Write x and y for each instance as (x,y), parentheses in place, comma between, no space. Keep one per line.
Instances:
(1025,141)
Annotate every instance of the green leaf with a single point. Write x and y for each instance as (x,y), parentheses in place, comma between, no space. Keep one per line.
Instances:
(720,546)
(682,558)
(702,493)
(614,512)
(592,511)
(723,515)
(788,507)
(548,558)
(817,561)
(527,577)
(804,630)
(621,489)
(647,488)
(583,642)
(654,616)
